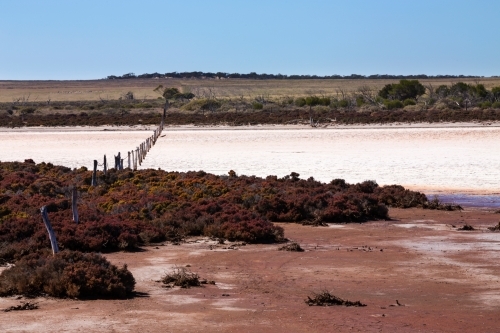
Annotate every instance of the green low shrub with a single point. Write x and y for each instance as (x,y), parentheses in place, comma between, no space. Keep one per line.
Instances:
(360,101)
(409,101)
(485,105)
(143,106)
(343,103)
(391,105)
(496,105)
(301,101)
(202,104)
(28,110)
(257,106)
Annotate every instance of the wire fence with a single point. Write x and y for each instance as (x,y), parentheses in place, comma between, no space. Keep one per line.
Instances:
(134,157)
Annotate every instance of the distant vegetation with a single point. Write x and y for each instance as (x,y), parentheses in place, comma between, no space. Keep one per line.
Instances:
(403,101)
(263,76)
(406,101)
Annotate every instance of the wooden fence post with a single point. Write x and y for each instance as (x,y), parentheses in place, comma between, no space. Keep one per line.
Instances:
(134,162)
(128,161)
(74,204)
(94,174)
(121,163)
(117,161)
(105,166)
(52,235)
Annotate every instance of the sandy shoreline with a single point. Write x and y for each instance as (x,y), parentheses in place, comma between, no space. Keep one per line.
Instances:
(252,127)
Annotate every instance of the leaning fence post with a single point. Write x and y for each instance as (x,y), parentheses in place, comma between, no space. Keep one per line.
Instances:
(74,205)
(52,235)
(94,174)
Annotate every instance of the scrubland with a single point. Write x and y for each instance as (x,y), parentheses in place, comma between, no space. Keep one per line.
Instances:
(243,101)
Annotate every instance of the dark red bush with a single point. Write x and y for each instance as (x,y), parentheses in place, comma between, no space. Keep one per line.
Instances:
(128,208)
(67,274)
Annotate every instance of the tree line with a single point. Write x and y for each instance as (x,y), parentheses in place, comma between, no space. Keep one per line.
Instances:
(263,76)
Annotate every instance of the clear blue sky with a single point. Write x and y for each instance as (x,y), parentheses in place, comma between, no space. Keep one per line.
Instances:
(87,39)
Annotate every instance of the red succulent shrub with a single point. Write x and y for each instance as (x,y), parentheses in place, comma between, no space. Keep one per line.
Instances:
(129,208)
(67,274)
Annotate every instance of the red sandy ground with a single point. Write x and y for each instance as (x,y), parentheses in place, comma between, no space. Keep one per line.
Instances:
(446,279)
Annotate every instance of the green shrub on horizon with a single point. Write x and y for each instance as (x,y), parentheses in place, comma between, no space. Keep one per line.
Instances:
(485,105)
(257,106)
(343,103)
(301,101)
(395,104)
(360,101)
(403,90)
(409,101)
(202,104)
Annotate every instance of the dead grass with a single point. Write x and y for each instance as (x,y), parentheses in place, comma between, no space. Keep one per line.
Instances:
(181,277)
(95,90)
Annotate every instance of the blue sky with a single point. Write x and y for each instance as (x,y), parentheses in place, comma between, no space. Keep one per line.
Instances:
(63,39)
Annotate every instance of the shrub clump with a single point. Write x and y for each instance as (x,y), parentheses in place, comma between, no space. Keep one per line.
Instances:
(257,106)
(466,227)
(393,104)
(293,247)
(67,274)
(324,298)
(495,227)
(181,277)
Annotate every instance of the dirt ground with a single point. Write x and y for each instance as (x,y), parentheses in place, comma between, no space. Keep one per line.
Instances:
(445,280)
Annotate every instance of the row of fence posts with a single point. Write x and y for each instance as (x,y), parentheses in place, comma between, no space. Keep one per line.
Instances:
(134,158)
